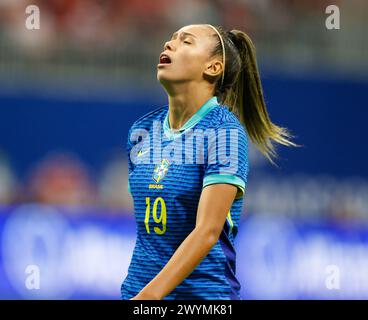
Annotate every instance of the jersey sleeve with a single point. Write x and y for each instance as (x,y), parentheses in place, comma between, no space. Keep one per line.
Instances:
(129,147)
(227,160)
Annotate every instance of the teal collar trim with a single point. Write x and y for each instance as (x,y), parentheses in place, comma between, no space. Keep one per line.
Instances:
(194,119)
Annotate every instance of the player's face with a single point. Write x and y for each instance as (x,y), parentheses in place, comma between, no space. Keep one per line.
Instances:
(186,55)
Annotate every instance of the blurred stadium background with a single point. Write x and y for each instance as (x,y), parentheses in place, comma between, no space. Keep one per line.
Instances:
(70,91)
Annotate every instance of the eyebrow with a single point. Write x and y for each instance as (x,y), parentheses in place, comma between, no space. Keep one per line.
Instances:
(185,33)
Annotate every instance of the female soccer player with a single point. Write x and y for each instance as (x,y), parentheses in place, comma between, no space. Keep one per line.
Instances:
(188,166)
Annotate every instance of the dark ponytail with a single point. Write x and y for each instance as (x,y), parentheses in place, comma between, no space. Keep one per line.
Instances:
(242,93)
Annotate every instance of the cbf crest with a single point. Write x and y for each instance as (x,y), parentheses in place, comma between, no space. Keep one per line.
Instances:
(160,170)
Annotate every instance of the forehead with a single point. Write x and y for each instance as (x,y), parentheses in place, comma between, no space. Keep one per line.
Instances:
(199,31)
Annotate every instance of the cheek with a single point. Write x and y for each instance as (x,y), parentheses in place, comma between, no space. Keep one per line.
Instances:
(191,63)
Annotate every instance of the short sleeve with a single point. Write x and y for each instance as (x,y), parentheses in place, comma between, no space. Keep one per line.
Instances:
(227,157)
(129,147)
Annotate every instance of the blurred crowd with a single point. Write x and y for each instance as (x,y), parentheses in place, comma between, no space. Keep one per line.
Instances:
(61,178)
(101,23)
(140,27)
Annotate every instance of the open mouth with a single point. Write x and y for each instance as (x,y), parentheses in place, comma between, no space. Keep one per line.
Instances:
(165,59)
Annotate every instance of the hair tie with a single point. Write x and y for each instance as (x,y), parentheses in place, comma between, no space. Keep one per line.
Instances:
(231,36)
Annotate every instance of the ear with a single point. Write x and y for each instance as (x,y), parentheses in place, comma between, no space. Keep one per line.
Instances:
(213,68)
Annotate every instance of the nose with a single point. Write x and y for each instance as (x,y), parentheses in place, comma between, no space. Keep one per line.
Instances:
(168,46)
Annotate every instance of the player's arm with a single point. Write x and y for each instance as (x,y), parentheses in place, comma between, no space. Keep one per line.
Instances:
(214,205)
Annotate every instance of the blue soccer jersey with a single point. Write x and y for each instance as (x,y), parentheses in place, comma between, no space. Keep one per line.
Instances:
(167,171)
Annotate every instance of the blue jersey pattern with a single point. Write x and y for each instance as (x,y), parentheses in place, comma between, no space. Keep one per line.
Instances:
(166,183)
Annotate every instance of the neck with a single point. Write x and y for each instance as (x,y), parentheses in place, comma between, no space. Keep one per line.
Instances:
(184,103)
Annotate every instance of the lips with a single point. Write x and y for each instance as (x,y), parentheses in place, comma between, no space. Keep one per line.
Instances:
(165,59)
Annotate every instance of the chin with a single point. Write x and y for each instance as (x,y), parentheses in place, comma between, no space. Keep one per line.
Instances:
(162,78)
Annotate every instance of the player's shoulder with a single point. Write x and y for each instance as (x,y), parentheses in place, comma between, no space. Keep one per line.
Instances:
(222,117)
(146,120)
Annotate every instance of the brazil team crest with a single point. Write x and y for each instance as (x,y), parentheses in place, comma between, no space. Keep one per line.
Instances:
(160,170)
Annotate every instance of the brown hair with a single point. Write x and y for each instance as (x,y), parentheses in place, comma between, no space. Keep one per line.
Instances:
(242,92)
